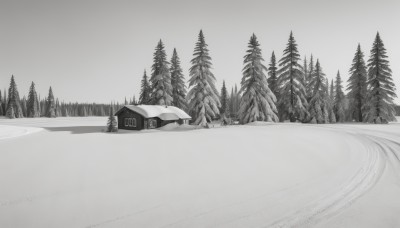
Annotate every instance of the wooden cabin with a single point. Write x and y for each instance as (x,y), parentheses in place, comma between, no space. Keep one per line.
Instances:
(138,117)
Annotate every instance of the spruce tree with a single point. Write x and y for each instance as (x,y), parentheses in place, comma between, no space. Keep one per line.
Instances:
(14,109)
(292,96)
(224,99)
(32,106)
(272,76)
(134,100)
(309,90)
(224,110)
(258,101)
(112,125)
(5,102)
(23,106)
(50,105)
(338,105)
(161,89)
(357,86)
(232,104)
(318,106)
(38,106)
(331,101)
(177,82)
(381,89)
(144,97)
(58,109)
(203,96)
(305,73)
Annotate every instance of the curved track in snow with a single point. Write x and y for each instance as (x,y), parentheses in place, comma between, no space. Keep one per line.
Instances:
(9,132)
(325,176)
(380,150)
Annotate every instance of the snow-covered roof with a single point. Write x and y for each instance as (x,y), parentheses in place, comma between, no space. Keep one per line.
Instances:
(160,111)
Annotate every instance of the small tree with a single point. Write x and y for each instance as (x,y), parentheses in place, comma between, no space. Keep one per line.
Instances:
(318,105)
(310,68)
(144,90)
(332,117)
(177,82)
(112,125)
(224,110)
(272,76)
(14,109)
(338,104)
(32,106)
(50,105)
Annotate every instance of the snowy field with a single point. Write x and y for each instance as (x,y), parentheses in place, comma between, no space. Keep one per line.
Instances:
(66,172)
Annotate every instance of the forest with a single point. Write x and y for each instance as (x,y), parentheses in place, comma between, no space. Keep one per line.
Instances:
(290,89)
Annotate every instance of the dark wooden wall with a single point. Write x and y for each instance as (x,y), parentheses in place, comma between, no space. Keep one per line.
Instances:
(140,120)
(126,113)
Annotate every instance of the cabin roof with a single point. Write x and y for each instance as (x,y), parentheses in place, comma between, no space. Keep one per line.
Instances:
(160,111)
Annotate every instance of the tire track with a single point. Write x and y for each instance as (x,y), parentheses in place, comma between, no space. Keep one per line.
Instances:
(360,183)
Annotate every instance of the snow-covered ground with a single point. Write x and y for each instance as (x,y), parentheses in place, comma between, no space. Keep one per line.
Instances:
(66,172)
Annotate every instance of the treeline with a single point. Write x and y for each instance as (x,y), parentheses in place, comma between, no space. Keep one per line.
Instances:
(292,88)
(12,106)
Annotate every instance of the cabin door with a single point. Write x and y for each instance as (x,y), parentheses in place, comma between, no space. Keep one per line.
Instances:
(145,124)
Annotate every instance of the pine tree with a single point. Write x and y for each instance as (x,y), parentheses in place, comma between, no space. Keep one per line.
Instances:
(38,106)
(134,100)
(203,96)
(112,122)
(144,97)
(177,82)
(309,90)
(381,89)
(32,106)
(5,102)
(23,106)
(224,110)
(318,105)
(272,76)
(305,73)
(338,105)
(238,98)
(50,105)
(43,106)
(58,109)
(331,100)
(357,86)
(292,96)
(232,104)
(161,89)
(14,109)
(258,101)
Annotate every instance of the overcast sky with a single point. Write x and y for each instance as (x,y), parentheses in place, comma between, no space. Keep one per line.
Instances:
(96,51)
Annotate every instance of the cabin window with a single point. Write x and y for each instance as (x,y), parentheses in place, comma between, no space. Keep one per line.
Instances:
(133,122)
(152,123)
(130,122)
